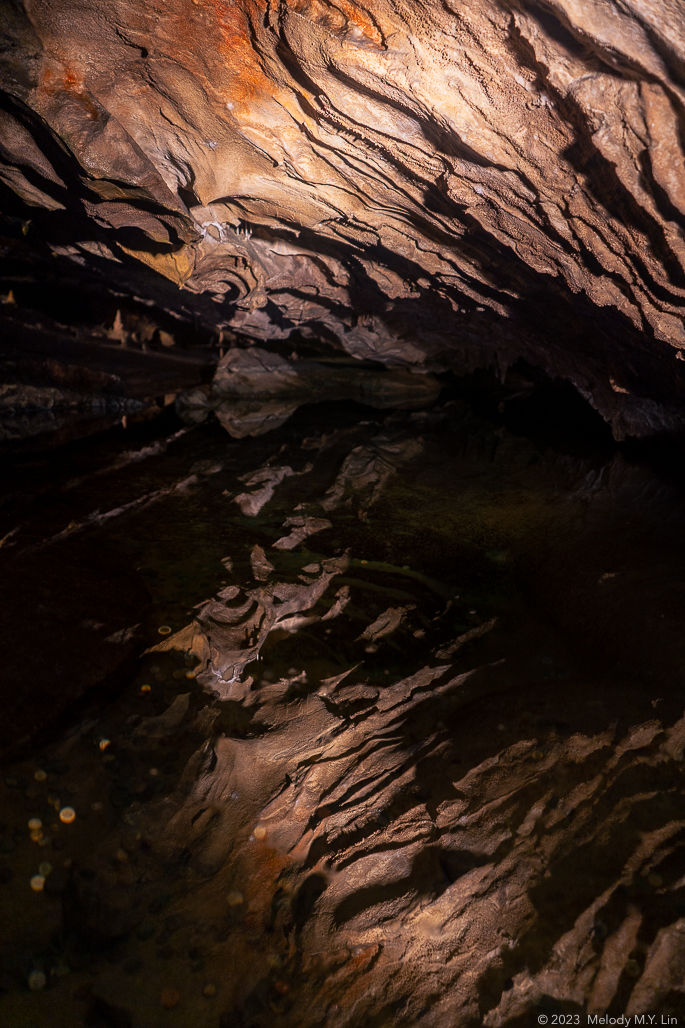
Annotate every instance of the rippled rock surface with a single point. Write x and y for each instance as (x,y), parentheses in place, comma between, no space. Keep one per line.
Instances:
(435,185)
(405,745)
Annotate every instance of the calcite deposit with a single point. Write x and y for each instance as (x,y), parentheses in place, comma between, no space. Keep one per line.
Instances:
(430,185)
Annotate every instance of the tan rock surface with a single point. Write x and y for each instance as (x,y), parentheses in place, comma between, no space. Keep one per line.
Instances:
(421,183)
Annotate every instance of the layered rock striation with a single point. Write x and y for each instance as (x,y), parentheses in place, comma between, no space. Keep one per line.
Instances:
(434,185)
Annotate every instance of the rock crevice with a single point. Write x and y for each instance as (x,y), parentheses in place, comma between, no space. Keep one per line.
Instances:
(439,185)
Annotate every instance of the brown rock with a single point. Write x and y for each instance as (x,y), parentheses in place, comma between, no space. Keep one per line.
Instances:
(444,186)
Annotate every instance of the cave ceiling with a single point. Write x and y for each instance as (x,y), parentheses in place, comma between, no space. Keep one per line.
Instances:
(434,185)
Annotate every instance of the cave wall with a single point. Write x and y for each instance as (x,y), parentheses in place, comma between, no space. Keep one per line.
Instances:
(433,184)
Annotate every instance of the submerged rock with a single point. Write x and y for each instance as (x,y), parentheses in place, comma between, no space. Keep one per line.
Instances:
(427,765)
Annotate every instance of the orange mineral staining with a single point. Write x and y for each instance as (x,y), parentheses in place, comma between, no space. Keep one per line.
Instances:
(345,19)
(247,81)
(361,22)
(56,80)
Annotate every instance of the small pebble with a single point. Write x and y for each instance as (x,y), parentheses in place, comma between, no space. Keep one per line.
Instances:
(281,987)
(145,688)
(165,630)
(45,868)
(104,743)
(191,674)
(36,836)
(35,824)
(170,998)
(155,669)
(537,754)
(234,898)
(209,990)
(363,562)
(40,775)
(37,981)
(259,833)
(38,883)
(154,771)
(121,855)
(67,815)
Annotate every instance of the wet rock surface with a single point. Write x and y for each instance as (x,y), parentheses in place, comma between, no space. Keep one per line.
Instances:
(441,185)
(56,386)
(421,764)
(254,391)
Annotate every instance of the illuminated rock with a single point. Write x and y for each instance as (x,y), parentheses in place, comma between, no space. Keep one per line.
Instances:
(431,185)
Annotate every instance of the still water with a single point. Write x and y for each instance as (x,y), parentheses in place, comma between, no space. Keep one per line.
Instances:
(375,719)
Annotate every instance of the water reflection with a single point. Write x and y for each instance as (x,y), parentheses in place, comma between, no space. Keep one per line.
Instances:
(410,753)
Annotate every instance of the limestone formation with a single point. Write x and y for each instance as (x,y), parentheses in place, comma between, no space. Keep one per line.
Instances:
(428,184)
